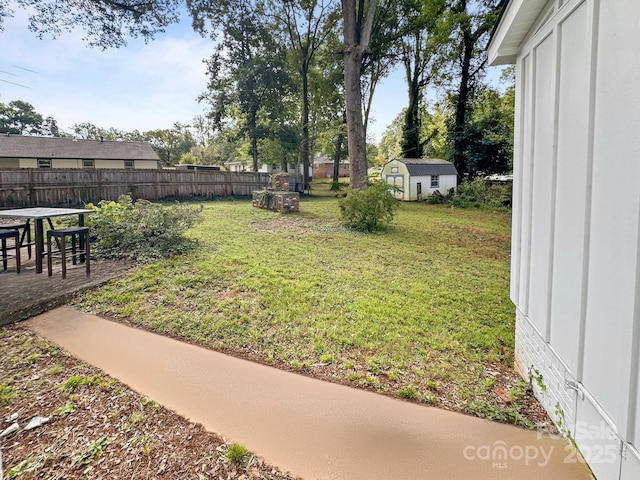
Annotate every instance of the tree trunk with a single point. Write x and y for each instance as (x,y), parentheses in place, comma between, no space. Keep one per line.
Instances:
(356,44)
(254,140)
(336,162)
(459,136)
(304,71)
(356,137)
(411,147)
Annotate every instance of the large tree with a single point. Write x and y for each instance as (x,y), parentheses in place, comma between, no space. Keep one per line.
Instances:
(21,118)
(489,132)
(307,24)
(358,19)
(170,144)
(470,23)
(418,49)
(246,71)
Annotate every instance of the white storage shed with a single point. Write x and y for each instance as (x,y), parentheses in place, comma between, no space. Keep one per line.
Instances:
(417,178)
(575,273)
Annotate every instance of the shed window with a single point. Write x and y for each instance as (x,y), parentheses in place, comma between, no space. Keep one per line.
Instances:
(394,169)
(88,163)
(44,163)
(435,181)
(128,164)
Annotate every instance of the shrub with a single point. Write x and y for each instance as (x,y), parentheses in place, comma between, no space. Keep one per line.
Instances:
(372,208)
(140,229)
(477,193)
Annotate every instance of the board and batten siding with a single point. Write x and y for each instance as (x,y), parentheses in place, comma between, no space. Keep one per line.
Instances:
(576,222)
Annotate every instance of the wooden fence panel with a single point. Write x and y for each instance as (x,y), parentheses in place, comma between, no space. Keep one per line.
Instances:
(58,187)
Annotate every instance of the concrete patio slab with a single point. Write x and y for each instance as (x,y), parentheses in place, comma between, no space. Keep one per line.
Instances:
(313,429)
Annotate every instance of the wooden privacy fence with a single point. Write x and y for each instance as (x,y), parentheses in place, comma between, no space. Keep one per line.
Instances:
(61,186)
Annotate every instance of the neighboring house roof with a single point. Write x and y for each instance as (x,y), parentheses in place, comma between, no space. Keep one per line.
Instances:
(18,146)
(323,160)
(428,166)
(515,21)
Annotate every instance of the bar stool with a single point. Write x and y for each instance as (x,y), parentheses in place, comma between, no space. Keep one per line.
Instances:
(4,236)
(25,235)
(79,238)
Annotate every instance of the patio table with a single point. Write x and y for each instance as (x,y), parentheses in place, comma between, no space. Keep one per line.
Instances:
(39,214)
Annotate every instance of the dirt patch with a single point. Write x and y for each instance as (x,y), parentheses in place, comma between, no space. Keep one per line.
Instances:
(98,428)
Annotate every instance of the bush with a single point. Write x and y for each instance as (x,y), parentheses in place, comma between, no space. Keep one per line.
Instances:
(369,209)
(141,229)
(477,193)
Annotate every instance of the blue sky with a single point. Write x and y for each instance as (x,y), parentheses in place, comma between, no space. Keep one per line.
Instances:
(141,86)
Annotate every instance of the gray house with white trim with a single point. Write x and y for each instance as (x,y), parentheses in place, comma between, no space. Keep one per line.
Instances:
(575,270)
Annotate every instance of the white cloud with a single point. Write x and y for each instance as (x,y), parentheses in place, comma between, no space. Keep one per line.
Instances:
(141,86)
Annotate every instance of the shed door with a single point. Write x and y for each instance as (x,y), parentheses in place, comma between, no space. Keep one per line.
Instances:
(398,182)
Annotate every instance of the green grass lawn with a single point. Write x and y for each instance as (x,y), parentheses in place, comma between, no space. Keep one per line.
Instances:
(421,311)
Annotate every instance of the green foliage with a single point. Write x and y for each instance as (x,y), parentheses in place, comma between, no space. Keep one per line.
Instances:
(370,209)
(491,410)
(256,285)
(6,394)
(389,147)
(140,230)
(92,452)
(407,392)
(72,383)
(66,410)
(236,453)
(478,193)
(489,132)
(23,467)
(20,118)
(105,24)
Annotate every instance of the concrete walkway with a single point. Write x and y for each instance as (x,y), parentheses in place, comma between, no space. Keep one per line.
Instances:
(313,429)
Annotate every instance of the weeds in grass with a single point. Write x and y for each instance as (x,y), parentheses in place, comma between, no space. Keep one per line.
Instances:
(66,410)
(432,385)
(236,453)
(92,452)
(71,384)
(136,418)
(74,382)
(148,402)
(24,466)
(147,445)
(54,369)
(326,358)
(31,359)
(407,392)
(7,394)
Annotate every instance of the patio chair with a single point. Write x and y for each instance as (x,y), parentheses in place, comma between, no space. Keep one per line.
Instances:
(79,237)
(4,236)
(25,227)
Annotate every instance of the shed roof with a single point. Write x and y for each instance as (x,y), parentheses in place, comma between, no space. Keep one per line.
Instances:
(19,146)
(428,166)
(515,21)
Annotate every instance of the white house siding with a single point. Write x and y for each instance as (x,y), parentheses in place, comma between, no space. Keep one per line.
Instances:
(576,220)
(446,182)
